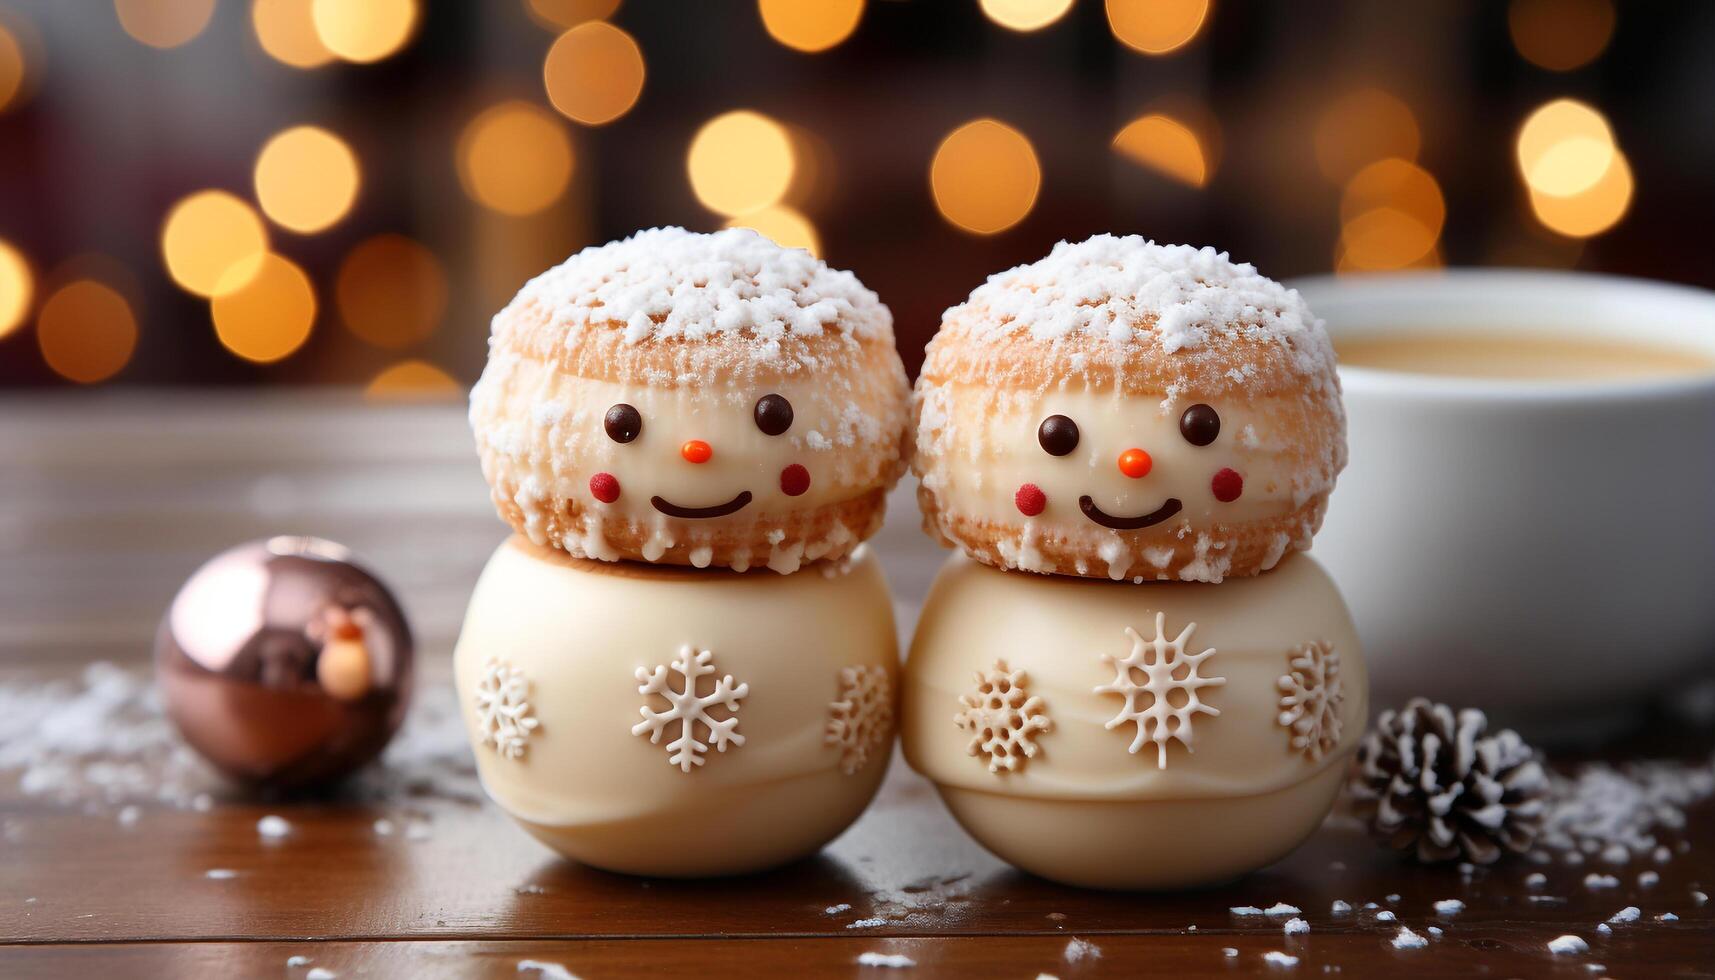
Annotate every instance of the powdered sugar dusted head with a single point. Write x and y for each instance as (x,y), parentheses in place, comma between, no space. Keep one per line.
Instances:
(1129,410)
(693,399)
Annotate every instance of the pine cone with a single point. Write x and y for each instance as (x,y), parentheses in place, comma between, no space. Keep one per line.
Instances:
(1430,779)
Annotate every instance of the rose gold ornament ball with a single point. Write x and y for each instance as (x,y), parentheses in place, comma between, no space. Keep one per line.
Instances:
(284,663)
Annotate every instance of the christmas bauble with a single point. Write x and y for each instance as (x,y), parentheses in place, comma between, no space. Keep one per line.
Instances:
(1113,735)
(661,720)
(284,663)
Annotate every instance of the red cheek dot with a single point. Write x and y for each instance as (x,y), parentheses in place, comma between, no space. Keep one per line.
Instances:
(1227,485)
(604,487)
(794,480)
(1030,500)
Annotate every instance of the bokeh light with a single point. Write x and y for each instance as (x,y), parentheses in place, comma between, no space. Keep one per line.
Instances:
(12,69)
(515,158)
(306,179)
(1592,211)
(1156,26)
(86,331)
(364,31)
(1560,35)
(208,234)
(1565,147)
(784,226)
(561,14)
(164,23)
(1391,216)
(985,176)
(594,73)
(268,315)
(1025,15)
(740,162)
(413,380)
(286,29)
(1361,127)
(391,291)
(1159,142)
(17,286)
(816,25)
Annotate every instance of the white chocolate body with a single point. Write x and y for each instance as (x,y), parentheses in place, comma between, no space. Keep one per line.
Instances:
(1085,810)
(577,632)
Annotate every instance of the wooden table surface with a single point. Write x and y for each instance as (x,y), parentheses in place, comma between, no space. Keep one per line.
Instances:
(112,501)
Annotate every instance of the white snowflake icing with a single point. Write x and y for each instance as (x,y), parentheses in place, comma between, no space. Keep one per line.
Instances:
(1150,678)
(687,708)
(1311,694)
(503,708)
(861,721)
(1003,718)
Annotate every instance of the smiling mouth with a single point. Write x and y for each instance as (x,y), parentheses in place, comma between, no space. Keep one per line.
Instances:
(732,506)
(1094,513)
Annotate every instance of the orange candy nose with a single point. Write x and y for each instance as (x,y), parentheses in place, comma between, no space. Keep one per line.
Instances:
(1135,463)
(696,451)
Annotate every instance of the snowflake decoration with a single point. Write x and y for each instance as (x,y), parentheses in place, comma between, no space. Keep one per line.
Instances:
(861,721)
(1310,698)
(687,708)
(1003,718)
(1156,673)
(503,708)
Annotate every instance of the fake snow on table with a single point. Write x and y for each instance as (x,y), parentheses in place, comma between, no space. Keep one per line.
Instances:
(219,874)
(688,709)
(894,961)
(1385,915)
(1340,907)
(1147,705)
(1568,946)
(502,699)
(1002,717)
(1277,958)
(1082,949)
(1406,939)
(1628,914)
(860,721)
(1311,694)
(1296,927)
(1449,906)
(273,827)
(546,970)
(320,973)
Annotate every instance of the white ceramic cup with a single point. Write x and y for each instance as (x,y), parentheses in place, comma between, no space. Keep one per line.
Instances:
(1542,549)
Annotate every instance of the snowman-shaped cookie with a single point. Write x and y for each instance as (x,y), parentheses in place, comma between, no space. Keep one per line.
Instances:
(684,663)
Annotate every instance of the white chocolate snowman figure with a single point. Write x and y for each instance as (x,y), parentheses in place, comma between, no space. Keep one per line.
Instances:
(683,663)
(1172,698)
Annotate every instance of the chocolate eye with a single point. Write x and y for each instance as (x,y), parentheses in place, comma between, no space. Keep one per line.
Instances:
(622,423)
(773,414)
(1058,435)
(1200,425)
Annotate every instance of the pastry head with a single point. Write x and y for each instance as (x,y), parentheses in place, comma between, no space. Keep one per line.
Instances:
(693,399)
(1127,410)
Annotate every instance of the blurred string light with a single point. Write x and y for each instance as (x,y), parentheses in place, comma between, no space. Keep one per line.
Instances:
(594,73)
(306,179)
(1159,142)
(561,14)
(1361,127)
(515,158)
(985,176)
(209,234)
(391,291)
(740,162)
(164,23)
(17,286)
(810,25)
(1391,216)
(1156,26)
(413,380)
(86,331)
(364,31)
(1579,182)
(784,225)
(286,29)
(266,315)
(1025,15)
(1561,35)
(13,69)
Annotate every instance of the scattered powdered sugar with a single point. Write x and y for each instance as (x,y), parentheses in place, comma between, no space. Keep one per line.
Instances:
(1628,914)
(867,923)
(1436,931)
(273,827)
(1568,945)
(320,973)
(1277,958)
(1406,939)
(219,874)
(1393,899)
(297,961)
(1340,906)
(1281,908)
(837,909)
(1667,917)
(1449,906)
(669,283)
(546,970)
(1080,949)
(1604,929)
(1699,898)
(1385,916)
(888,960)
(1594,881)
(1229,952)
(1648,879)
(1245,910)
(1535,879)
(1296,927)
(383,827)
(1616,811)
